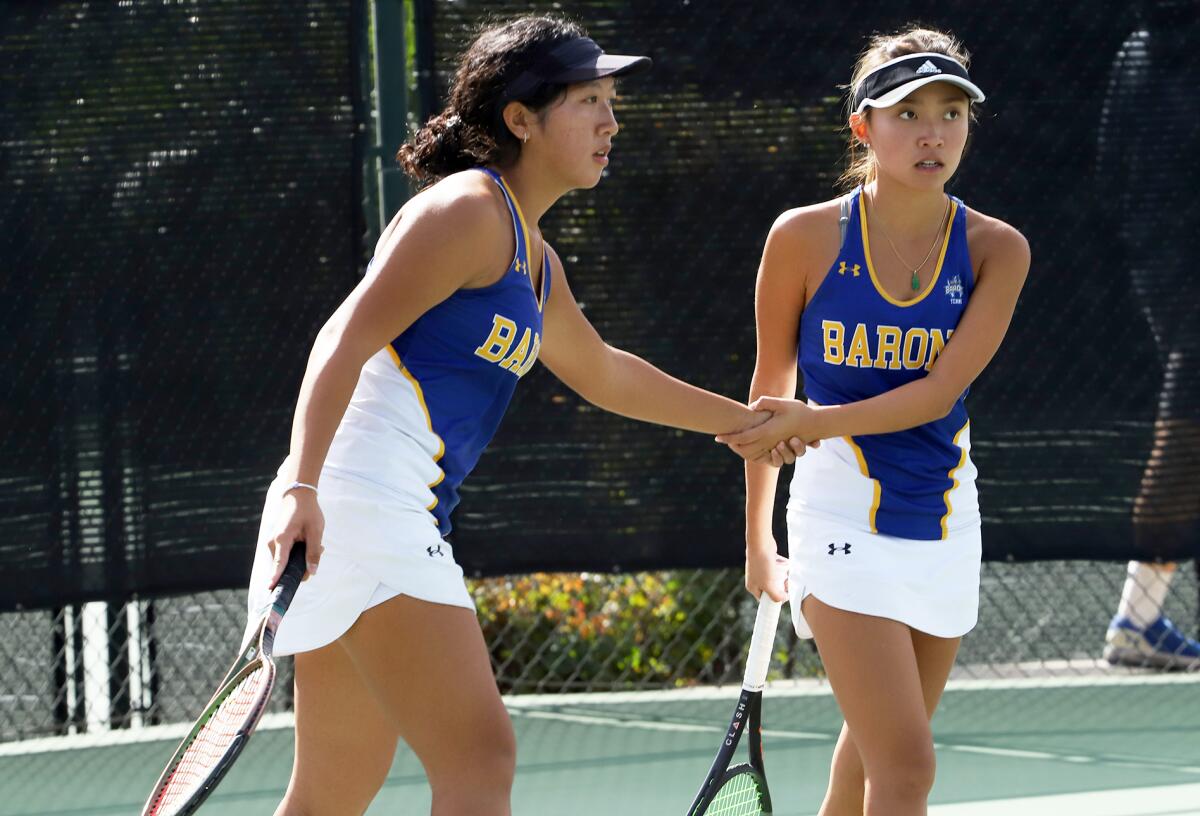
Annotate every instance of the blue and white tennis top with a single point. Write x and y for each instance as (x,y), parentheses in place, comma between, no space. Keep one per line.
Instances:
(427,405)
(856,342)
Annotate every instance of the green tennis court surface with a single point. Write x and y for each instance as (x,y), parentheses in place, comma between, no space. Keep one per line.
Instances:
(1113,744)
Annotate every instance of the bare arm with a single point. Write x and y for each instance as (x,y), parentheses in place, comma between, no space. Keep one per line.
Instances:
(433,250)
(779,295)
(621,382)
(1002,273)
(426,257)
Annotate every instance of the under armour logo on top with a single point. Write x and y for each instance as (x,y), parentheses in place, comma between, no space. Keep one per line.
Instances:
(929,68)
(435,551)
(845,548)
(854,269)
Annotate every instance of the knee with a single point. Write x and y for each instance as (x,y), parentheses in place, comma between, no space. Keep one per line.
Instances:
(483,789)
(498,751)
(498,763)
(321,791)
(907,776)
(296,803)
(481,777)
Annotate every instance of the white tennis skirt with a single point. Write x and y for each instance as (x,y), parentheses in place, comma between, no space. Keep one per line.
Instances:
(376,547)
(932,586)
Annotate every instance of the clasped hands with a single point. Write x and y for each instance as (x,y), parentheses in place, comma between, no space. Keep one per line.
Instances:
(779,432)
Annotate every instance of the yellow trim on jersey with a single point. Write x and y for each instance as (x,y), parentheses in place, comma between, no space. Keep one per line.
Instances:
(441,477)
(962,460)
(408,375)
(862,465)
(537,296)
(937,270)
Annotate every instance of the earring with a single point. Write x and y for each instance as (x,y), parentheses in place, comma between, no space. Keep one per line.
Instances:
(525,138)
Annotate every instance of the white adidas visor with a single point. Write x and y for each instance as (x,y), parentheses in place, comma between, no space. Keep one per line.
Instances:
(897,78)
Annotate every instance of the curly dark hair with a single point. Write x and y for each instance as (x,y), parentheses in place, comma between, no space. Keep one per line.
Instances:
(471,130)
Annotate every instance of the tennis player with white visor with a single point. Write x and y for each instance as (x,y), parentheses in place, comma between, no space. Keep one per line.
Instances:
(890,300)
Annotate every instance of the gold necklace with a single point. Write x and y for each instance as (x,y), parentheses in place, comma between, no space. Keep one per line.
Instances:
(916,280)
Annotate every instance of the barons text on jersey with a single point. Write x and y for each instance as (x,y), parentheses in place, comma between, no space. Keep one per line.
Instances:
(495,349)
(889,347)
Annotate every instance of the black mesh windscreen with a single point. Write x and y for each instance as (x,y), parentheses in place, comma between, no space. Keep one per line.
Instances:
(180,214)
(740,119)
(183,213)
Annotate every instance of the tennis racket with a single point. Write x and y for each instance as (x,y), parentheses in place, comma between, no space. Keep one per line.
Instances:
(741,790)
(221,732)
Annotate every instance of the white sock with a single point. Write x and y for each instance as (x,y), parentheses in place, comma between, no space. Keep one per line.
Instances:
(1145,590)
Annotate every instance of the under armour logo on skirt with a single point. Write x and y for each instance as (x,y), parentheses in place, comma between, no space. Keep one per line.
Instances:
(833,548)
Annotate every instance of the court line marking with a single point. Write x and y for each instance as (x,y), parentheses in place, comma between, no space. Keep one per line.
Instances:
(1063,674)
(1160,800)
(125,736)
(1100,675)
(658,725)
(1075,758)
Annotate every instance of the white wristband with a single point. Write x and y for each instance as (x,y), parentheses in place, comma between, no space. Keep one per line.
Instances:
(295,485)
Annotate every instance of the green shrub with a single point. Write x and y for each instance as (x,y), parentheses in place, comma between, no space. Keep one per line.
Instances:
(588,631)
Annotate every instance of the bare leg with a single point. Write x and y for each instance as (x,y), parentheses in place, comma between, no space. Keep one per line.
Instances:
(884,761)
(1166,511)
(406,669)
(428,665)
(935,659)
(345,740)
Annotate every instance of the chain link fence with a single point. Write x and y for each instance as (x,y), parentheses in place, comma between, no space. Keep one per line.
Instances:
(99,667)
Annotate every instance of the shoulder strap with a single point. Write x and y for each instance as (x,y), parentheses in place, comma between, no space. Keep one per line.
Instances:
(513,211)
(545,276)
(844,218)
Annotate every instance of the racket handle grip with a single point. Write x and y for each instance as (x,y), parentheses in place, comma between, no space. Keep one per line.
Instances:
(762,643)
(289,582)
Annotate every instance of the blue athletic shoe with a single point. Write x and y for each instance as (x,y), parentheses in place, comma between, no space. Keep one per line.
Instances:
(1160,645)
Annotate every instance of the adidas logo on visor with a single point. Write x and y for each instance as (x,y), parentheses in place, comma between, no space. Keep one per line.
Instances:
(929,68)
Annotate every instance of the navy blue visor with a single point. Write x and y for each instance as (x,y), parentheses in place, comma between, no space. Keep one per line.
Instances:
(577,60)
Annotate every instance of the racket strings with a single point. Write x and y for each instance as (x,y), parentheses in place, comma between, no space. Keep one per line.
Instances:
(739,795)
(213,740)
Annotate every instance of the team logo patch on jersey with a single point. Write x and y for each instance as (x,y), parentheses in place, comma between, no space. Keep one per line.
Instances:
(954,290)
(844,548)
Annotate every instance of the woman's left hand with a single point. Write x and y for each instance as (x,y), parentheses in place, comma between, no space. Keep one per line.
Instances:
(766,572)
(791,427)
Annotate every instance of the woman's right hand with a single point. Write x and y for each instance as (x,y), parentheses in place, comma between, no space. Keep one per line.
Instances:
(786,452)
(789,425)
(299,518)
